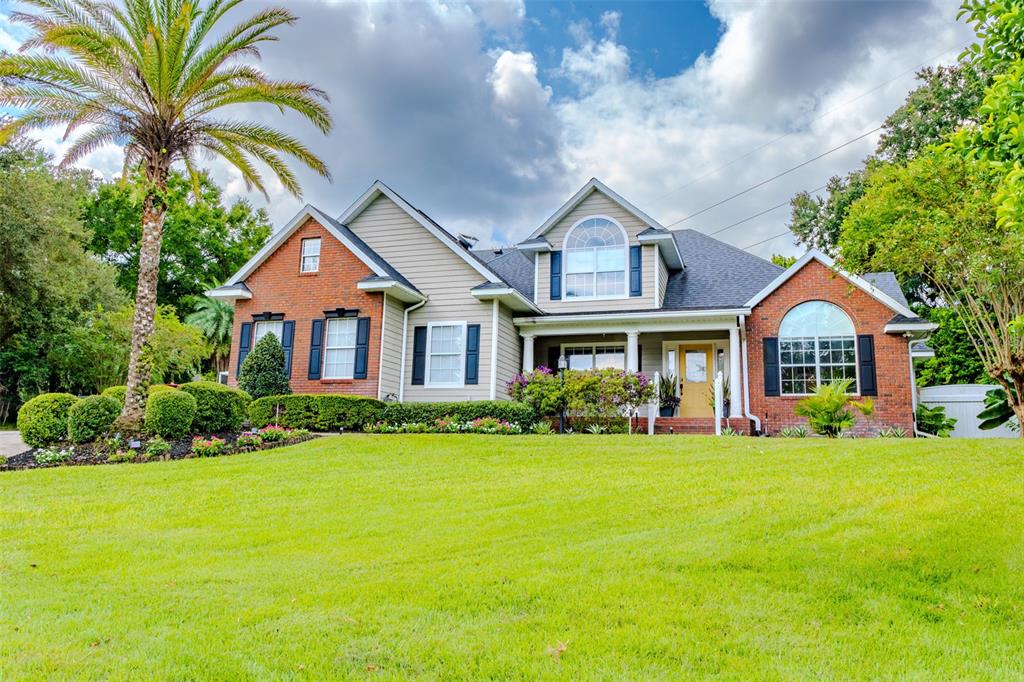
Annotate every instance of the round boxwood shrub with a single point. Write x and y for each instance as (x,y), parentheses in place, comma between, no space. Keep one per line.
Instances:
(169,414)
(44,419)
(91,417)
(218,407)
(262,371)
(118,392)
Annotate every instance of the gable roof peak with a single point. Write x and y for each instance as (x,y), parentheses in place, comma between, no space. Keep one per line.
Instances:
(594,185)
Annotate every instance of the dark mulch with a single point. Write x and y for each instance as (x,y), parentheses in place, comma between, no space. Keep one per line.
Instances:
(88,454)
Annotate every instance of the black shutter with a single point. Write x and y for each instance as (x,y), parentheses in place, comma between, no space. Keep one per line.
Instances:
(473,354)
(635,272)
(556,275)
(244,344)
(362,348)
(771,366)
(640,357)
(553,352)
(419,355)
(288,332)
(316,349)
(866,352)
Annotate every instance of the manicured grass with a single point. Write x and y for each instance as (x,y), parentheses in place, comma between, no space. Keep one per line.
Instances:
(482,557)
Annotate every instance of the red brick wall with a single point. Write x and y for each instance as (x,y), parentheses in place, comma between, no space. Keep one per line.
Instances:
(278,286)
(815,282)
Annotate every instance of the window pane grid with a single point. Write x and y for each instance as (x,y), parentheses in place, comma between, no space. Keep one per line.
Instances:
(595,260)
(264,328)
(596,357)
(310,255)
(446,346)
(808,361)
(340,349)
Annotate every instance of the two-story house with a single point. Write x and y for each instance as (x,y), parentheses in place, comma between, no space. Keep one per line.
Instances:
(382,301)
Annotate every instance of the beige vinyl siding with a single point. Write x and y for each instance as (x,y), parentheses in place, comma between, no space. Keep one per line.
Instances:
(596,204)
(442,276)
(662,279)
(510,351)
(391,349)
(645,302)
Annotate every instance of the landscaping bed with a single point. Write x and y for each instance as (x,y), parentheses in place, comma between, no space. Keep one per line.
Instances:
(101,453)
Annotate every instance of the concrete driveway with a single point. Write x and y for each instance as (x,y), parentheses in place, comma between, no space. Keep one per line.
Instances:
(11,444)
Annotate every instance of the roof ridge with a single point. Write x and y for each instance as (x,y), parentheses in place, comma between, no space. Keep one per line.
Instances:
(729,246)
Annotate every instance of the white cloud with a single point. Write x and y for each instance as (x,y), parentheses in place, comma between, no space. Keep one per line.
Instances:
(594,63)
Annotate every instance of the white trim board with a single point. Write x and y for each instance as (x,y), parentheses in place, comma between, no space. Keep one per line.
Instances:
(378,188)
(593,185)
(859,282)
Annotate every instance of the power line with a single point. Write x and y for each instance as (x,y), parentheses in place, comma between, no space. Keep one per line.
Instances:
(813,120)
(765,241)
(758,215)
(776,177)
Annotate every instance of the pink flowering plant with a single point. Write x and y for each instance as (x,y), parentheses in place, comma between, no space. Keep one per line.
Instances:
(596,395)
(249,441)
(273,433)
(209,447)
(541,389)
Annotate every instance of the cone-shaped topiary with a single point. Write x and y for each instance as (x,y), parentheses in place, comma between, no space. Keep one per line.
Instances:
(262,372)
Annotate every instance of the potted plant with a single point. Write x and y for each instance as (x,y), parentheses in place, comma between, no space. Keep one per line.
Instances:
(667,399)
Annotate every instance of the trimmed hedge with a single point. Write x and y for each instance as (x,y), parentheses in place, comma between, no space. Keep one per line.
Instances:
(44,419)
(315,412)
(118,392)
(91,417)
(169,414)
(511,411)
(218,407)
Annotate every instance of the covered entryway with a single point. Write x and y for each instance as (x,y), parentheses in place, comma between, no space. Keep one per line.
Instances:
(695,372)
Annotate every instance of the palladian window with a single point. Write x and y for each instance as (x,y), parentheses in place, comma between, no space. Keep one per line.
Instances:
(816,346)
(595,255)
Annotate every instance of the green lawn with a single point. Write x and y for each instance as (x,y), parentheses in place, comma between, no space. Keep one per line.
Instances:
(476,557)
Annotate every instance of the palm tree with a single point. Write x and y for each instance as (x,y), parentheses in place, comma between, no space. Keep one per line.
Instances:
(214,318)
(154,76)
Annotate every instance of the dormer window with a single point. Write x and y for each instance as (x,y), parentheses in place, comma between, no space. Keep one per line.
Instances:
(310,255)
(595,259)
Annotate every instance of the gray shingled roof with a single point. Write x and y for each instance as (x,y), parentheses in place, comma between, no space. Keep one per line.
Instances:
(717,275)
(886,281)
(373,255)
(515,267)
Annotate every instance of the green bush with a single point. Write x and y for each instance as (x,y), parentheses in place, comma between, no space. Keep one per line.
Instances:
(118,392)
(315,412)
(218,407)
(91,417)
(44,419)
(827,409)
(510,410)
(933,420)
(169,414)
(262,372)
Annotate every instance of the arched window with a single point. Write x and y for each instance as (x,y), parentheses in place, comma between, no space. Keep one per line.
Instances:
(816,346)
(595,259)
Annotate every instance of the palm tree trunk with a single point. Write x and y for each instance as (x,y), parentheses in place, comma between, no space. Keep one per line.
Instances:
(140,360)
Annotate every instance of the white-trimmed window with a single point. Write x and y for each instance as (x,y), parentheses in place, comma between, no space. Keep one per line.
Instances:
(310,255)
(261,329)
(446,354)
(595,260)
(340,348)
(817,345)
(588,356)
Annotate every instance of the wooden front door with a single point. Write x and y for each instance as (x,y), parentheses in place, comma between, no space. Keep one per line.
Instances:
(696,376)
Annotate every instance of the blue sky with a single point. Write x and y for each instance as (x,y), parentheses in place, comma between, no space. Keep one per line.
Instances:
(488,114)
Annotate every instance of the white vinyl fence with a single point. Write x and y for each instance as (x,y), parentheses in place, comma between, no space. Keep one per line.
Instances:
(963,402)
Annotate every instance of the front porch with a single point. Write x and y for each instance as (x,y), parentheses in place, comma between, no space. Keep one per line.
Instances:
(690,348)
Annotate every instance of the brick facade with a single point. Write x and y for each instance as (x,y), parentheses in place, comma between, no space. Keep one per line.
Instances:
(277,286)
(815,282)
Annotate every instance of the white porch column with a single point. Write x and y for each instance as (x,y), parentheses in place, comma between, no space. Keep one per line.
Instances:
(735,409)
(632,351)
(527,352)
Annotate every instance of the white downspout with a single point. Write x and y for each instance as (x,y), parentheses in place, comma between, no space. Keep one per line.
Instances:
(746,376)
(913,388)
(380,349)
(405,345)
(494,350)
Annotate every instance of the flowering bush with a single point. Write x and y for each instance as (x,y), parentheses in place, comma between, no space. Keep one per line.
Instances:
(249,441)
(491,425)
(601,395)
(273,433)
(209,447)
(54,455)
